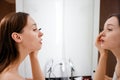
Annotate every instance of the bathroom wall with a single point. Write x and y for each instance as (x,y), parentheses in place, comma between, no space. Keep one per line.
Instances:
(70,28)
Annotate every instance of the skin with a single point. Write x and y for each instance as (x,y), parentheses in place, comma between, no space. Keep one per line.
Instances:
(29,43)
(108,39)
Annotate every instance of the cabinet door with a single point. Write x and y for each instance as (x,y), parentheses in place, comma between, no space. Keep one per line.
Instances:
(106,8)
(6,7)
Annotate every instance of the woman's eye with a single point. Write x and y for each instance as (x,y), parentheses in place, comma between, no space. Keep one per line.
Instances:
(109,29)
(35,29)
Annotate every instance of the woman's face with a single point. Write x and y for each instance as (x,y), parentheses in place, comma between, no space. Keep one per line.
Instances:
(110,36)
(31,36)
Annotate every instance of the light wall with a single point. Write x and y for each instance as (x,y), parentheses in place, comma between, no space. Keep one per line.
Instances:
(69,28)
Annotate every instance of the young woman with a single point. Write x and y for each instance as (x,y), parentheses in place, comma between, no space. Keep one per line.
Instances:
(19,37)
(109,39)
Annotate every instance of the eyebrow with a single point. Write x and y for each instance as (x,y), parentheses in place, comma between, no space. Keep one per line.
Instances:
(110,25)
(35,24)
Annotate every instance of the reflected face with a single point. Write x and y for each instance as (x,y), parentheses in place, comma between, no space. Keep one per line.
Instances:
(110,36)
(31,36)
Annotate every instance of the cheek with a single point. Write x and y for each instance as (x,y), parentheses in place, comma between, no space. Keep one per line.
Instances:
(33,42)
(114,41)
(28,42)
(28,39)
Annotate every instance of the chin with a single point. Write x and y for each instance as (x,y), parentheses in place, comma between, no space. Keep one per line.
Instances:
(39,48)
(104,47)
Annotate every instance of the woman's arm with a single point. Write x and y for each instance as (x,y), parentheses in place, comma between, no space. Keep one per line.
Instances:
(36,70)
(101,68)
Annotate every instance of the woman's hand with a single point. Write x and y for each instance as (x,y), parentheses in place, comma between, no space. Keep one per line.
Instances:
(98,42)
(33,54)
(98,45)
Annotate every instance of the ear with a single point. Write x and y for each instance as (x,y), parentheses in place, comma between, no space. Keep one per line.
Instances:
(16,37)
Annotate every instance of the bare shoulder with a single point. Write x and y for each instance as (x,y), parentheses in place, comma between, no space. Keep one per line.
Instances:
(10,76)
(6,76)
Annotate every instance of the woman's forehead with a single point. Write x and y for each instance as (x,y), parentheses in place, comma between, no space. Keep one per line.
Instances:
(112,21)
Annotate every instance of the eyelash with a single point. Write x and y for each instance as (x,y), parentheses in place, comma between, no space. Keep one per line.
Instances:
(109,29)
(36,29)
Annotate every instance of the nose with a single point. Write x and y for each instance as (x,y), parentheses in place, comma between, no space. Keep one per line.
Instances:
(40,34)
(102,33)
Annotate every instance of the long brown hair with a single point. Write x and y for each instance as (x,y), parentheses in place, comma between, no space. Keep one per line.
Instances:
(13,22)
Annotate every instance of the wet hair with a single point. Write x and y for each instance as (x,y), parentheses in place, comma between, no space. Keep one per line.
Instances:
(13,22)
(117,15)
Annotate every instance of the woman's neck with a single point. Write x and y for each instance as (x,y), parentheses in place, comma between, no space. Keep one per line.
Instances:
(116,53)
